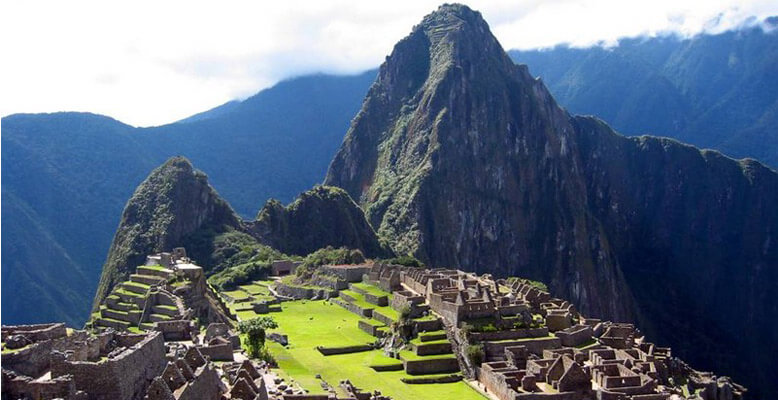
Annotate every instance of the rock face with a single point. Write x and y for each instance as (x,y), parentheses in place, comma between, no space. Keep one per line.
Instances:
(175,206)
(460,157)
(288,229)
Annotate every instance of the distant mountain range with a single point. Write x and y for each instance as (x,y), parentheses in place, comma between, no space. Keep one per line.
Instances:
(712,91)
(67,176)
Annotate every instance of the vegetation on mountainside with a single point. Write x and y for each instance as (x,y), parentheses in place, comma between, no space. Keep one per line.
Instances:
(328,255)
(340,222)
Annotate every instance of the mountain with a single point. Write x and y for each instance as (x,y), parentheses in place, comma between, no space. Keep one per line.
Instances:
(175,206)
(713,91)
(462,158)
(67,176)
(289,229)
(174,202)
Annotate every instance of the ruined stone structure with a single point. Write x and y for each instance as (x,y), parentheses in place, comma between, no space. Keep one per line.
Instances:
(538,347)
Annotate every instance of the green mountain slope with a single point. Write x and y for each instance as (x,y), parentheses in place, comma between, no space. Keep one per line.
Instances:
(175,206)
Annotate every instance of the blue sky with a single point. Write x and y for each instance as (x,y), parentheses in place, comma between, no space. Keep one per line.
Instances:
(152,62)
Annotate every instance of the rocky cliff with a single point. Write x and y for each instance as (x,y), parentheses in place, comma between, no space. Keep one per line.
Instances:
(463,159)
(175,206)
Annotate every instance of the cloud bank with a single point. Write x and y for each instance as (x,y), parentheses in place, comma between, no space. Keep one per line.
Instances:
(152,62)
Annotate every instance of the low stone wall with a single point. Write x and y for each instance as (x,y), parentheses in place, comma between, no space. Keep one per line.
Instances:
(510,334)
(576,335)
(328,351)
(124,377)
(34,359)
(426,326)
(381,301)
(426,349)
(329,282)
(349,273)
(25,387)
(534,346)
(370,328)
(175,330)
(299,292)
(432,366)
(362,312)
(382,318)
(548,396)
(295,292)
(36,332)
(439,379)
(219,352)
(388,367)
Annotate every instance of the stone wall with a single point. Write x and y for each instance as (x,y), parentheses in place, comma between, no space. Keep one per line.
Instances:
(175,330)
(510,334)
(206,385)
(534,346)
(425,349)
(218,352)
(328,351)
(349,273)
(362,312)
(36,332)
(24,387)
(380,301)
(124,377)
(575,335)
(370,328)
(433,366)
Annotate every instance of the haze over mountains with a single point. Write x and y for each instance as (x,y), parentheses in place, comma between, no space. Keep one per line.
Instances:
(464,159)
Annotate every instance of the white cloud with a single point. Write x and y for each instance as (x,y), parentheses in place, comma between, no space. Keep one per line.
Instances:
(152,62)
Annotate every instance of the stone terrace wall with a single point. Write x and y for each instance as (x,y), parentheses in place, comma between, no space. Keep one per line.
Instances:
(433,366)
(35,359)
(36,332)
(349,273)
(511,334)
(125,377)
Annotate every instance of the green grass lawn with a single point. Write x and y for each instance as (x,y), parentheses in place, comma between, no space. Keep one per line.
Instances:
(317,323)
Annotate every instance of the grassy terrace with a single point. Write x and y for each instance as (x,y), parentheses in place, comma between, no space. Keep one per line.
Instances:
(411,356)
(359,299)
(374,290)
(318,323)
(152,268)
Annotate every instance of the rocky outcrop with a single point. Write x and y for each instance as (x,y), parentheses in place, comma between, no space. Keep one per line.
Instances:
(340,222)
(176,207)
(173,202)
(463,159)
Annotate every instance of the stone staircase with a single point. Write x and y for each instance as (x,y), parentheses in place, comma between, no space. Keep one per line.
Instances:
(138,303)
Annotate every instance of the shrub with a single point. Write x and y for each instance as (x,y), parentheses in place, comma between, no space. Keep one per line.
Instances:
(327,255)
(254,329)
(475,353)
(406,260)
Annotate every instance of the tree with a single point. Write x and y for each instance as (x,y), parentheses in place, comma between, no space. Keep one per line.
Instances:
(254,329)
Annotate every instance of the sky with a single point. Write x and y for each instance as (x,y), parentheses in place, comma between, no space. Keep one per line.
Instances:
(149,63)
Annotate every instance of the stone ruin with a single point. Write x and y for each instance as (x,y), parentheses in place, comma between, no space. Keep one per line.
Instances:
(540,347)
